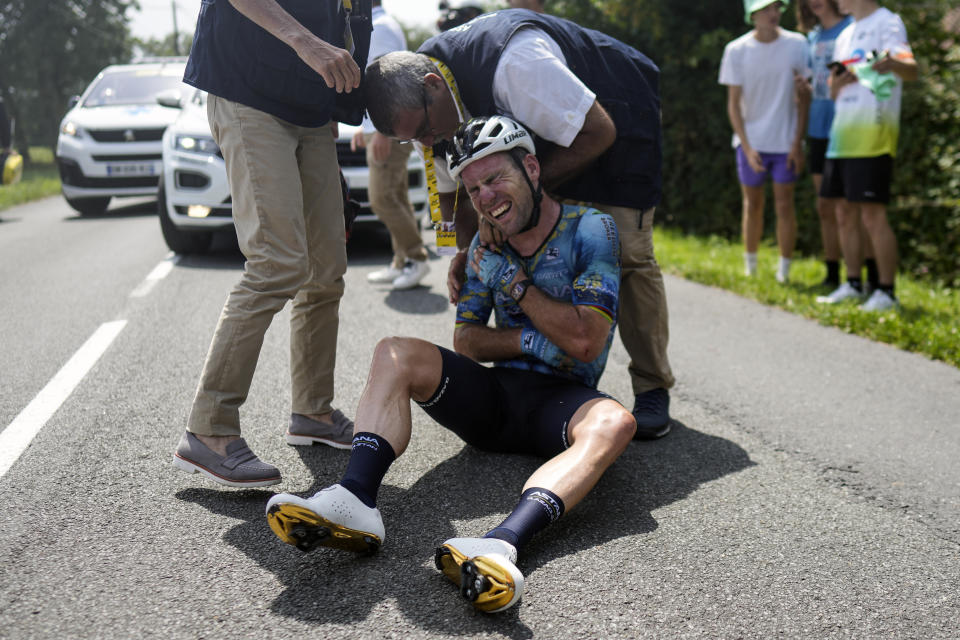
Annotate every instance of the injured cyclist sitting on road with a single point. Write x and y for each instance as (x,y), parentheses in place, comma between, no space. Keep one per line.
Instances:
(553,289)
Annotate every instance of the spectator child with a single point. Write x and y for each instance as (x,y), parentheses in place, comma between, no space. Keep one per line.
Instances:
(822,21)
(876,58)
(765,72)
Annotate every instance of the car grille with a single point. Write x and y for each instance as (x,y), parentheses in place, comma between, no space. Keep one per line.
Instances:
(110,183)
(121,135)
(71,174)
(348,158)
(130,157)
(359,195)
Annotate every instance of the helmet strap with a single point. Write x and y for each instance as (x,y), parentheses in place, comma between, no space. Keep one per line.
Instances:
(537,197)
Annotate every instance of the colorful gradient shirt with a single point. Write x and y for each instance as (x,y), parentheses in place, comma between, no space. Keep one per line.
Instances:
(578,263)
(863,126)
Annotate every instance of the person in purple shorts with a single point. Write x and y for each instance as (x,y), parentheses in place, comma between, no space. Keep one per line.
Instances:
(768,100)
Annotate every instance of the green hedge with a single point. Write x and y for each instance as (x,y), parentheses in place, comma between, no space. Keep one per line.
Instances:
(701,193)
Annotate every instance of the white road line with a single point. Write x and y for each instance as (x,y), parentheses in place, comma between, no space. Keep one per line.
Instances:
(18,435)
(159,273)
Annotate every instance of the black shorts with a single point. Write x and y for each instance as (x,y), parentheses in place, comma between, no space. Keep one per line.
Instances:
(858,179)
(506,410)
(816,154)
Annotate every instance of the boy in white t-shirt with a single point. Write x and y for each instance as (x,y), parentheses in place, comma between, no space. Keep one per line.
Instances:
(768,101)
(874,59)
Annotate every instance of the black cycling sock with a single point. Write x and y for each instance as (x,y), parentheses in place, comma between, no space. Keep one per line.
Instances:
(856,283)
(833,270)
(888,289)
(873,276)
(370,458)
(537,509)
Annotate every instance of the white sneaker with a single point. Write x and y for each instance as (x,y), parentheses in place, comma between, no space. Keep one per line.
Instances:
(484,569)
(384,276)
(783,270)
(844,292)
(880,300)
(333,517)
(413,273)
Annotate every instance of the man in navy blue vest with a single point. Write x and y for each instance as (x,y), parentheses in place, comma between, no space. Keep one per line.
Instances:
(277,74)
(593,102)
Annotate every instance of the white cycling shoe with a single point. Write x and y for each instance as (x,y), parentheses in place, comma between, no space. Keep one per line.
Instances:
(333,517)
(484,569)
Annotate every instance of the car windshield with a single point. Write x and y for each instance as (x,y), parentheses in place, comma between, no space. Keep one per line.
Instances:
(133,86)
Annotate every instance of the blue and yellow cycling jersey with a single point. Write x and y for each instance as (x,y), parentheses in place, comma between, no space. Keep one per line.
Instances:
(579,263)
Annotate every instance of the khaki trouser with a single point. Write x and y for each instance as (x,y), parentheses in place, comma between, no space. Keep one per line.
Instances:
(642,319)
(390,202)
(288,210)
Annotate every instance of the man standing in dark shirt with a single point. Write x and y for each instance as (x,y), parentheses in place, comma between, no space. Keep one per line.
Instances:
(273,71)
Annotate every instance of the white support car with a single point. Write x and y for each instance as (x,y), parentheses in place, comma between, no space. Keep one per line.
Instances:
(109,142)
(194,197)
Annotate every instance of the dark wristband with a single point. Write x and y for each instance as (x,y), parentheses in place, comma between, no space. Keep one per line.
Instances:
(520,289)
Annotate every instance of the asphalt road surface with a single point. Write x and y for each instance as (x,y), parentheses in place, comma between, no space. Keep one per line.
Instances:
(810,486)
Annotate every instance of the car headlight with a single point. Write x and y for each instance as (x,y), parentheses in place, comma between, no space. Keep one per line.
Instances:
(70,128)
(196,144)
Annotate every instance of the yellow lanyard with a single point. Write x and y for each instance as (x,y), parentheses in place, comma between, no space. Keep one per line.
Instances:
(446,233)
(347,31)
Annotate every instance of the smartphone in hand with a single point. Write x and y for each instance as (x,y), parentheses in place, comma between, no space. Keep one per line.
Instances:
(837,67)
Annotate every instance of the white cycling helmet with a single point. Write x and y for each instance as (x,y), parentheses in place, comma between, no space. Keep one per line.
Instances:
(481,137)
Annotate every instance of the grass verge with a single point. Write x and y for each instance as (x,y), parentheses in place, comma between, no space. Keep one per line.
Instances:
(928,321)
(40,179)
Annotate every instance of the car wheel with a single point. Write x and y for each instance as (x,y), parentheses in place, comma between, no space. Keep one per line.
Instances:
(88,206)
(178,240)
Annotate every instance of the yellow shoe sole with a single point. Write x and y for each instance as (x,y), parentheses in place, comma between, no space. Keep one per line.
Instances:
(306,530)
(483,582)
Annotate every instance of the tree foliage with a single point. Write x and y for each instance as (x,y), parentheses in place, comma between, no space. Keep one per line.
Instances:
(171,45)
(701,193)
(51,49)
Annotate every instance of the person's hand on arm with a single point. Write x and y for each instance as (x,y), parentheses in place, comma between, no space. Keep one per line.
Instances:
(358,142)
(734,94)
(335,65)
(381,147)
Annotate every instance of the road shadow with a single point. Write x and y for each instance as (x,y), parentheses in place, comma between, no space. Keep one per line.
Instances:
(224,253)
(421,300)
(330,587)
(135,210)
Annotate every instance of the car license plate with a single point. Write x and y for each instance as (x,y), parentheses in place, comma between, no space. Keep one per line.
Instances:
(131,169)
